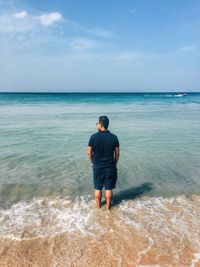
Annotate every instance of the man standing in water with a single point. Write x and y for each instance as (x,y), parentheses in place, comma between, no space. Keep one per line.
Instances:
(103,152)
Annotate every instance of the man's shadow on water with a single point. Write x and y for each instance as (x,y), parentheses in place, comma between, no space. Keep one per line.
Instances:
(130,193)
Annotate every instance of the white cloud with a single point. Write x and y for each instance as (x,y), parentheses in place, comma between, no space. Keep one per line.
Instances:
(188,48)
(20,15)
(23,22)
(9,23)
(101,32)
(83,44)
(131,56)
(128,56)
(115,58)
(51,18)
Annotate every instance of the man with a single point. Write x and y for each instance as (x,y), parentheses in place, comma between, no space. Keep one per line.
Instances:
(103,152)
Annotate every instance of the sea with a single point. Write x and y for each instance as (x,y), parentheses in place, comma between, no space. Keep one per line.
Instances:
(47,207)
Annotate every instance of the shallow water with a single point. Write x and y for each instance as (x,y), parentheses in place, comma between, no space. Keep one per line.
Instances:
(47,208)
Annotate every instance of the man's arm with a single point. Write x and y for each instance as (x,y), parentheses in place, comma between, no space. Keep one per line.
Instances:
(90,153)
(116,154)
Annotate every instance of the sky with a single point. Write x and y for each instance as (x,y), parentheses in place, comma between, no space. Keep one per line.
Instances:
(99,45)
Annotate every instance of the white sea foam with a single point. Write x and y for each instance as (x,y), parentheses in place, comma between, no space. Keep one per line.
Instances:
(46,216)
(156,223)
(196,259)
(153,217)
(164,217)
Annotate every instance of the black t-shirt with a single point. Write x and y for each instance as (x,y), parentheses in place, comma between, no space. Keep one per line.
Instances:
(103,144)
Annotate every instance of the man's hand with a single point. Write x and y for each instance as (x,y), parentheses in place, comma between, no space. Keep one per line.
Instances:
(116,154)
(90,153)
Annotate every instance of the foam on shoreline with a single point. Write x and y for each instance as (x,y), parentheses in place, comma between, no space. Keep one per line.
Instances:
(148,231)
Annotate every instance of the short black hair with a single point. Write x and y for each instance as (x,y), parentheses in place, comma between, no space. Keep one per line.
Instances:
(104,121)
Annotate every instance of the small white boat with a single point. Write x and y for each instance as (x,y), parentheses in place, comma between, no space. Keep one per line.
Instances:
(180,95)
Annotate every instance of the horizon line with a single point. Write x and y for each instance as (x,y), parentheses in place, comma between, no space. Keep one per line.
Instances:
(98,92)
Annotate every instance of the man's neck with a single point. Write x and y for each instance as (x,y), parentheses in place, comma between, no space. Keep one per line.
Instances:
(103,130)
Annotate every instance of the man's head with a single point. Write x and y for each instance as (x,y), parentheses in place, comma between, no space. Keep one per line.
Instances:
(103,123)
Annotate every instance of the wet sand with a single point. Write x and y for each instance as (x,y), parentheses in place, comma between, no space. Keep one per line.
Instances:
(149,231)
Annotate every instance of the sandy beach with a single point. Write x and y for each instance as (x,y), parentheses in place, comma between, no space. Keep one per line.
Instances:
(144,232)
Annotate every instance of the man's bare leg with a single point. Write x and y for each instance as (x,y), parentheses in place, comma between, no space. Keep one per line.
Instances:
(109,195)
(98,194)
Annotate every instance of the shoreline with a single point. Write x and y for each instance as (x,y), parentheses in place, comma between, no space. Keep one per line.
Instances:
(142,232)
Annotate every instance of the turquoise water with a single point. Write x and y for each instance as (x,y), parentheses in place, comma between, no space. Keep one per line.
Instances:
(46,188)
(44,137)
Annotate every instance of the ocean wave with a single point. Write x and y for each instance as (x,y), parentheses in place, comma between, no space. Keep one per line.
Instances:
(48,215)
